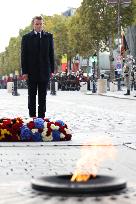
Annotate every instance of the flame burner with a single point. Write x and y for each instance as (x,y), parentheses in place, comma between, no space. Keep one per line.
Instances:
(62,184)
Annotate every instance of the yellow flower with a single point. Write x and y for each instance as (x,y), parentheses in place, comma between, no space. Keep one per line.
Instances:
(54,127)
(2,137)
(5,131)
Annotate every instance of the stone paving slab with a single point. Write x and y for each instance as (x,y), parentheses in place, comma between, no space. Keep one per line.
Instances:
(88,117)
(119,96)
(81,138)
(18,165)
(116,94)
(131,145)
(25,195)
(27,162)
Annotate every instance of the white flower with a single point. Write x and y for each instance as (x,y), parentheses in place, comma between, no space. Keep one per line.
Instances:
(67,131)
(27,120)
(47,138)
(34,130)
(62,135)
(56,127)
(44,132)
(45,129)
(45,124)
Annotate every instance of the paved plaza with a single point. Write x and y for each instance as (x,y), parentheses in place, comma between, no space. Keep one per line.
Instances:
(88,116)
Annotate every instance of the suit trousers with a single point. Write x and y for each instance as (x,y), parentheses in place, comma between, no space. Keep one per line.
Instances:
(33,87)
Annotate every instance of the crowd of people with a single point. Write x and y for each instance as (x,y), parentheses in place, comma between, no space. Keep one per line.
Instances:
(66,81)
(71,81)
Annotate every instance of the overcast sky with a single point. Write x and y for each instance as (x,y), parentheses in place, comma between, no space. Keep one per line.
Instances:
(17,14)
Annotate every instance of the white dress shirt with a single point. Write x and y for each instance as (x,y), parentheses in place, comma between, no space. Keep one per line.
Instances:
(37,33)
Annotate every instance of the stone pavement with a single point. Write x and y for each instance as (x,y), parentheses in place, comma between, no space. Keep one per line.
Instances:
(19,164)
(88,116)
(118,94)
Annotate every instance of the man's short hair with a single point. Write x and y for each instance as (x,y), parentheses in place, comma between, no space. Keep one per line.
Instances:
(37,18)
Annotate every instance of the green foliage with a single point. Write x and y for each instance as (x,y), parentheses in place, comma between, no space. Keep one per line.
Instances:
(10,59)
(134,11)
(57,24)
(99,21)
(84,33)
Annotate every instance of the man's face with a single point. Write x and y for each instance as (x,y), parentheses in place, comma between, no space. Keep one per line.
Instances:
(38,25)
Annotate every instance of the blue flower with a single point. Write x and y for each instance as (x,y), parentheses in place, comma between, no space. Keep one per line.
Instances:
(36,137)
(56,135)
(26,133)
(39,123)
(60,122)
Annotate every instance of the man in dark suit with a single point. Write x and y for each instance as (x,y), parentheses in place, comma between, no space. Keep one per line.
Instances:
(37,62)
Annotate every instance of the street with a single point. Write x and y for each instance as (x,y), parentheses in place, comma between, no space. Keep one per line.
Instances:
(88,117)
(84,114)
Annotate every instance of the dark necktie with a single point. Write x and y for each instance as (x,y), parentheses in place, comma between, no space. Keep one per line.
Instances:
(38,35)
(38,39)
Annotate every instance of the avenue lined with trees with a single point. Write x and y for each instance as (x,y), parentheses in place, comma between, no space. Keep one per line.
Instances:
(88,31)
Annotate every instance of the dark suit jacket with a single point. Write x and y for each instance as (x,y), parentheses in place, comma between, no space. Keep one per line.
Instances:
(37,56)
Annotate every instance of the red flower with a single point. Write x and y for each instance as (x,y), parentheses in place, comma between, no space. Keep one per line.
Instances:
(19,121)
(62,130)
(7,123)
(48,132)
(31,125)
(46,120)
(16,127)
(7,138)
(65,126)
(40,130)
(57,124)
(15,138)
(68,137)
(14,132)
(48,124)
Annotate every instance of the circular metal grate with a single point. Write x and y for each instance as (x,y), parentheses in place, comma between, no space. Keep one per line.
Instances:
(62,184)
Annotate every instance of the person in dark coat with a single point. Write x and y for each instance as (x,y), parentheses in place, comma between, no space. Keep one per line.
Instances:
(37,63)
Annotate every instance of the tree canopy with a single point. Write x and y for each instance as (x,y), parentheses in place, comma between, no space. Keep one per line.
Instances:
(87,31)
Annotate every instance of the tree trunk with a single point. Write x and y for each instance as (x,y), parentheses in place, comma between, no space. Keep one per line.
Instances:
(97,63)
(112,70)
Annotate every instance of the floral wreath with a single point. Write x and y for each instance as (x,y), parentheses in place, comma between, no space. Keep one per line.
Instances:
(33,130)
